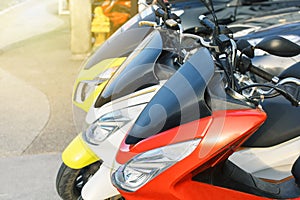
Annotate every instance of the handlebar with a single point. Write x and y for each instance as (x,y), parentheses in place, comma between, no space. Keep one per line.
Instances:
(279,87)
(246,65)
(147,23)
(262,73)
(206,22)
(210,26)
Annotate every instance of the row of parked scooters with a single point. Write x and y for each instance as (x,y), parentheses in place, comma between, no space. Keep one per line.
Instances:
(177,105)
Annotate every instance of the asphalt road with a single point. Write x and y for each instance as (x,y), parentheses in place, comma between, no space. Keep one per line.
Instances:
(36,79)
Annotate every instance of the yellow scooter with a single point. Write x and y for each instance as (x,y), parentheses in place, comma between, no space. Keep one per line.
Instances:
(79,161)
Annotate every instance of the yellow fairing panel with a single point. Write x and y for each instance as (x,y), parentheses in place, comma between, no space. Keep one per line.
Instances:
(90,74)
(86,105)
(78,155)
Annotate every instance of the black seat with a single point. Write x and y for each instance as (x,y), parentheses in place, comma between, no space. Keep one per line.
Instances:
(296,171)
(292,71)
(282,123)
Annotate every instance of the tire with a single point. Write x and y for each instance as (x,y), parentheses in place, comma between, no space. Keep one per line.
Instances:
(69,182)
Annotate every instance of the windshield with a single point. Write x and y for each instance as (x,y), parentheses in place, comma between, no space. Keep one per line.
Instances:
(180,100)
(119,46)
(123,41)
(143,67)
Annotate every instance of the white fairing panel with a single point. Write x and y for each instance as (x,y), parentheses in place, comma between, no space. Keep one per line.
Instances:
(134,104)
(273,163)
(99,186)
(136,98)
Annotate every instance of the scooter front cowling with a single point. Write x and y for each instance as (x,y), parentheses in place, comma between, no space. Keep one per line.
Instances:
(216,145)
(99,186)
(78,155)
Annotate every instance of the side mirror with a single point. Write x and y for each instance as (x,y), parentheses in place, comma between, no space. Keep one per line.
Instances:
(245,47)
(279,46)
(160,12)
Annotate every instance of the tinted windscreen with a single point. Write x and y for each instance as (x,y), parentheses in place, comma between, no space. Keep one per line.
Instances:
(119,46)
(180,100)
(136,72)
(124,40)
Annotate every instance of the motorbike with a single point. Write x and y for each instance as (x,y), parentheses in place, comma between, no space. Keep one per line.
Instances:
(97,181)
(128,84)
(180,145)
(79,161)
(81,158)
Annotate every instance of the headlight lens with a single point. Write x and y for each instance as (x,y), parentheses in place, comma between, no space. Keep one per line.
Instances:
(111,122)
(85,88)
(146,166)
(105,126)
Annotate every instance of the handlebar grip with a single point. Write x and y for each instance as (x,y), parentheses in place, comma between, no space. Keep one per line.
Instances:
(262,73)
(288,96)
(160,12)
(147,23)
(206,22)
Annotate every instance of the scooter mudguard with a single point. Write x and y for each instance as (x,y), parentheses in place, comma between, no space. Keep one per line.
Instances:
(99,186)
(78,155)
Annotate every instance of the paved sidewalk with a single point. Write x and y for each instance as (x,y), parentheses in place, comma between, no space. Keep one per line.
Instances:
(36,80)
(22,121)
(30,177)
(6,5)
(28,19)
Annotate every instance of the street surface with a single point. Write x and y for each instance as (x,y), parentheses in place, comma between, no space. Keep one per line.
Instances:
(37,73)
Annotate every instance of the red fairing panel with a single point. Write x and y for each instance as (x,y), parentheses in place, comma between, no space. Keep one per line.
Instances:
(189,131)
(224,132)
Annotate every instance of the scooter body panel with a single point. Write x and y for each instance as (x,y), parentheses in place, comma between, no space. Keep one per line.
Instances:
(188,190)
(78,155)
(274,163)
(134,104)
(104,188)
(226,133)
(86,75)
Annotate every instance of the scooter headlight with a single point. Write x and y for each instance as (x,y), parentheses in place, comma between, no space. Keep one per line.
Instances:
(85,88)
(105,126)
(111,122)
(146,166)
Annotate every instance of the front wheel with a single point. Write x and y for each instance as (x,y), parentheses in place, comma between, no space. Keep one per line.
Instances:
(69,182)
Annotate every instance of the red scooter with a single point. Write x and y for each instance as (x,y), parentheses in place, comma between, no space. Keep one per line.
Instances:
(179,146)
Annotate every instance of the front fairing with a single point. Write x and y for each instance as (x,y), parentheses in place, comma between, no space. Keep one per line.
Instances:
(131,106)
(124,40)
(140,70)
(180,100)
(110,55)
(90,82)
(78,155)
(129,89)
